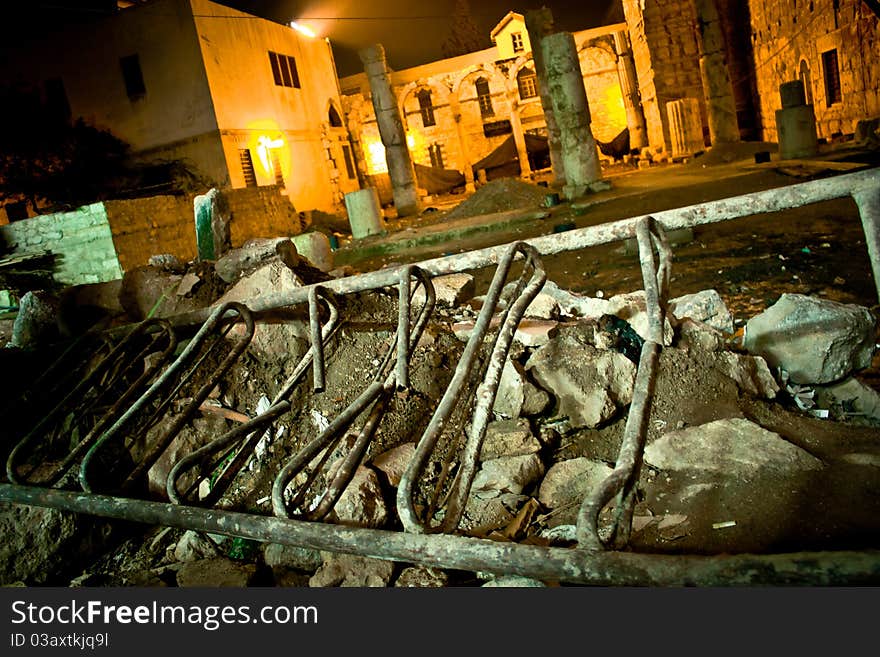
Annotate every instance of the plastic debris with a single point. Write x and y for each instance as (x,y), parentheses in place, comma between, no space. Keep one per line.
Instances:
(723,525)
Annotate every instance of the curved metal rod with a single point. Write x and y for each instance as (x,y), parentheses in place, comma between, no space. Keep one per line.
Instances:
(528,285)
(376,396)
(177,369)
(252,431)
(116,356)
(623,479)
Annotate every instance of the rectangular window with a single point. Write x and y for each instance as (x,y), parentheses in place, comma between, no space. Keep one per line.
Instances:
(528,85)
(56,99)
(435,151)
(133,77)
(349,163)
(832,77)
(284,71)
(247,167)
(484,98)
(426,108)
(517,40)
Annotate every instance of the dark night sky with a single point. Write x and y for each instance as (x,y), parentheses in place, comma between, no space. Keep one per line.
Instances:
(412,31)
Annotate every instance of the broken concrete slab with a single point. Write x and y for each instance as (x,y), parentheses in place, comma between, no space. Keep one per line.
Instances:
(315,247)
(567,483)
(693,334)
(529,332)
(276,555)
(348,570)
(193,546)
(705,306)
(516,395)
(814,340)
(576,305)
(490,509)
(733,447)
(751,373)
(511,474)
(508,438)
(422,577)
(514,581)
(588,385)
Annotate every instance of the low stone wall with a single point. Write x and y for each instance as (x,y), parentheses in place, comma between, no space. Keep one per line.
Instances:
(81,240)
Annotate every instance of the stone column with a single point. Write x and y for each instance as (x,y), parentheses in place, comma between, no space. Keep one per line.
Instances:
(632,103)
(400,166)
(569,98)
(717,89)
(469,185)
(519,138)
(539,23)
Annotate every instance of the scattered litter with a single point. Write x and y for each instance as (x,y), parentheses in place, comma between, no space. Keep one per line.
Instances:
(822,413)
(320,420)
(722,525)
(806,249)
(263,500)
(802,396)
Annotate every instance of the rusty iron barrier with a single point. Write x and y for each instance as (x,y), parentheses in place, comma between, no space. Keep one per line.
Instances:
(232,451)
(377,397)
(564,565)
(623,479)
(105,388)
(524,291)
(145,412)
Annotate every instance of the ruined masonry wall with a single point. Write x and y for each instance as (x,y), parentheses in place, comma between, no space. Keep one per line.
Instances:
(165,224)
(81,240)
(666,57)
(791,35)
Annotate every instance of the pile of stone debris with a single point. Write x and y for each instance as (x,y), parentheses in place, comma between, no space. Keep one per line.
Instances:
(756,439)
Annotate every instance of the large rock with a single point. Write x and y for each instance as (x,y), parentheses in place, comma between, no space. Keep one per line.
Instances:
(567,483)
(394,462)
(37,320)
(706,306)
(734,447)
(272,277)
(751,373)
(588,384)
(508,438)
(814,340)
(361,503)
(349,570)
(517,396)
(450,290)
(511,474)
(193,546)
(254,254)
(277,555)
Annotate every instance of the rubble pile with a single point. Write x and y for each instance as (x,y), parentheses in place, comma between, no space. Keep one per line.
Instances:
(748,439)
(499,195)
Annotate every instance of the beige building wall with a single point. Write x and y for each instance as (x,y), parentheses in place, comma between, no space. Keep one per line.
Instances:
(795,39)
(465,127)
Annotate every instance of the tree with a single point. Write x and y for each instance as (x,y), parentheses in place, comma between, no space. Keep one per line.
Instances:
(464,35)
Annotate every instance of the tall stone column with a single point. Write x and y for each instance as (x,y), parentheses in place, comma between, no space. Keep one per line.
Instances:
(717,89)
(569,98)
(629,86)
(400,166)
(539,23)
(519,138)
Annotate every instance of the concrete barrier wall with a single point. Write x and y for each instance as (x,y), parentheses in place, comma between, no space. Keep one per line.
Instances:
(81,240)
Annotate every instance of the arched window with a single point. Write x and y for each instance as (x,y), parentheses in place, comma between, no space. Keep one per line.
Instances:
(426,108)
(333,118)
(484,97)
(527,82)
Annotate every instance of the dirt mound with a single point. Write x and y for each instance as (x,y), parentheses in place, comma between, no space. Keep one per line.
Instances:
(500,196)
(727,153)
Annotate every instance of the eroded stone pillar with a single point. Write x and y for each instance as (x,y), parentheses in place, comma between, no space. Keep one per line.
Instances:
(629,87)
(717,89)
(539,23)
(519,138)
(400,166)
(565,84)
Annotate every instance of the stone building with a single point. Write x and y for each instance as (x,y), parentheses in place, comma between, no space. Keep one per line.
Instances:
(247,101)
(456,111)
